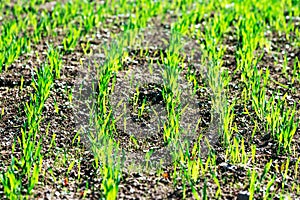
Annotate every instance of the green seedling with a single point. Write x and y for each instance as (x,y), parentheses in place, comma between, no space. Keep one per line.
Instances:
(52,142)
(282,124)
(22,82)
(70,167)
(204,190)
(55,61)
(258,94)
(141,108)
(267,194)
(218,193)
(134,141)
(253,181)
(56,106)
(72,38)
(147,158)
(70,95)
(2,112)
(88,17)
(85,47)
(136,99)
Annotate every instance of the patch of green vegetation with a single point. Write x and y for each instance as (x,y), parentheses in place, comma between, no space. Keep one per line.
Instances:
(264,99)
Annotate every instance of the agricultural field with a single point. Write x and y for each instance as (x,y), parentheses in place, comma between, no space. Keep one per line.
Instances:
(147,99)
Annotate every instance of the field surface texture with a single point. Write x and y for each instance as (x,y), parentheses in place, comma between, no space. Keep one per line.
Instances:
(147,99)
